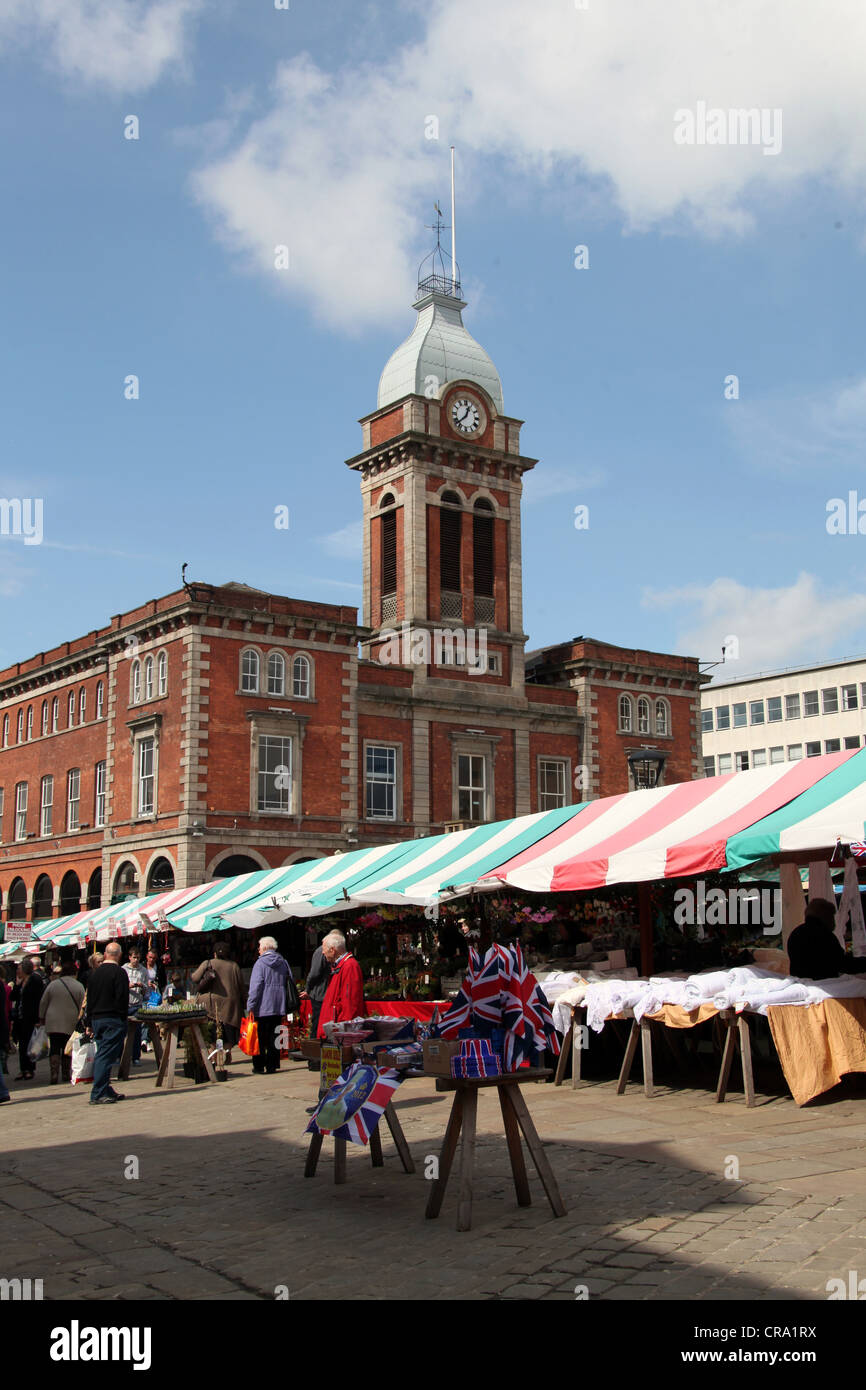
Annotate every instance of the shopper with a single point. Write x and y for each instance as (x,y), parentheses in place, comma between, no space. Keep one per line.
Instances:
(4,1041)
(59,1009)
(318,979)
(106,1013)
(28,1016)
(137,995)
(344,997)
(224,996)
(267,1002)
(814,950)
(155,973)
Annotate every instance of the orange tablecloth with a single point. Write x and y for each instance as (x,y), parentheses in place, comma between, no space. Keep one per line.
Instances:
(819,1044)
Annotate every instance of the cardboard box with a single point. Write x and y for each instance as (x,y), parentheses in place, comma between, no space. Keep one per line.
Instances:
(437,1056)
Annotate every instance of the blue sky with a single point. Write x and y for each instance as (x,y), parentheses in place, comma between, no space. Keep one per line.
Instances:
(306,127)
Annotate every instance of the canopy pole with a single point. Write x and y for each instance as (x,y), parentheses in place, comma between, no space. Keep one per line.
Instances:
(646,928)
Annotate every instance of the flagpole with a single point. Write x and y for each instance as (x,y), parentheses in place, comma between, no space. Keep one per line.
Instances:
(453,231)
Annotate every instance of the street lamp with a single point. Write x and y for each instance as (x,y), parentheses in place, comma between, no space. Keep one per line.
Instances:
(646,766)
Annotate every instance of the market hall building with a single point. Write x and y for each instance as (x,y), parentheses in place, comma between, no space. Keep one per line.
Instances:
(220,729)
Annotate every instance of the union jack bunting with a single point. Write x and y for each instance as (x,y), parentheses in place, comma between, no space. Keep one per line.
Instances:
(353,1107)
(858,849)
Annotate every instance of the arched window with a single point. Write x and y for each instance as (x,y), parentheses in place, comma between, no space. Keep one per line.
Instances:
(301,678)
(148,678)
(250,672)
(44,724)
(643,715)
(276,674)
(82,704)
(94,890)
(389,553)
(100,699)
(55,715)
(16,901)
(452,499)
(6,731)
(662,719)
(20,728)
(160,878)
(70,710)
(625,715)
(387,501)
(43,894)
(162,674)
(29,722)
(70,894)
(125,882)
(136,683)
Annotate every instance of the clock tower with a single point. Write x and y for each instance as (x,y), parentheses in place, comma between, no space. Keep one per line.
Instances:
(441,482)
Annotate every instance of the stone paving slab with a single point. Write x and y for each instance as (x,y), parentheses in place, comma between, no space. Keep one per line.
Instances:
(221,1210)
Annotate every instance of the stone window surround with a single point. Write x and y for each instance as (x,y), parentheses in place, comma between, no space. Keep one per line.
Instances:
(145,726)
(474,744)
(284,724)
(289,659)
(398,781)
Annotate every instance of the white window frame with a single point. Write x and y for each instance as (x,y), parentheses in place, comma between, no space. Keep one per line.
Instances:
(643,721)
(73,799)
(563,767)
(100,699)
(795,698)
(302,689)
(468,786)
(21,811)
(142,810)
(162,674)
(70,710)
(99,780)
(55,714)
(720,727)
(759,757)
(770,699)
(135,683)
(148,679)
(849,692)
(373,746)
(44,719)
(832,690)
(795,752)
(82,704)
(279,724)
(250,680)
(29,722)
(780,750)
(709,765)
(625,705)
(6,731)
(664,705)
(46,805)
(286,759)
(276,680)
(19,729)
(725,764)
(736,721)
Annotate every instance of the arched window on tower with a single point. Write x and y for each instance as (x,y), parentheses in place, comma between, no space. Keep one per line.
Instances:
(450,541)
(482,559)
(389,559)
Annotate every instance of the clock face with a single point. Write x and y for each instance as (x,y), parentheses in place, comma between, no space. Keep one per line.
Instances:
(465,415)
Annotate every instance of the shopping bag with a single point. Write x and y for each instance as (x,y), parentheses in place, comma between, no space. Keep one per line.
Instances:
(38,1043)
(249,1036)
(83,1057)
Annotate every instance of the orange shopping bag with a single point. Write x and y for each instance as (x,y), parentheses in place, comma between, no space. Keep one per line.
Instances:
(249,1036)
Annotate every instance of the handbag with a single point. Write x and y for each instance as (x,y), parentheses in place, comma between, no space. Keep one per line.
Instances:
(293,999)
(249,1042)
(208,980)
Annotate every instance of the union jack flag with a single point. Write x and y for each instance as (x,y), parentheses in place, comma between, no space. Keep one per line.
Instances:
(503,992)
(858,849)
(355,1102)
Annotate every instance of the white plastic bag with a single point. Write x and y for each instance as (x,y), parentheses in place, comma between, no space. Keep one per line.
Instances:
(38,1043)
(83,1057)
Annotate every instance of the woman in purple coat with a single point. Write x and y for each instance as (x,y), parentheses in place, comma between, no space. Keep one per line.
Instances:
(267,1002)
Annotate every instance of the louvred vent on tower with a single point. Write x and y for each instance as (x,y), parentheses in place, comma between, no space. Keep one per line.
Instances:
(389,553)
(450,528)
(482,550)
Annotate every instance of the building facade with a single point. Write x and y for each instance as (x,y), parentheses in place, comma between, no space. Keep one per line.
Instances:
(221,729)
(781,716)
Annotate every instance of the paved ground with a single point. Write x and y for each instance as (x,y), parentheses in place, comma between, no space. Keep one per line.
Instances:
(221,1210)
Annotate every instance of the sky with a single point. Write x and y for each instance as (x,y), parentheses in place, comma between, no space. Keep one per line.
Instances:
(695,376)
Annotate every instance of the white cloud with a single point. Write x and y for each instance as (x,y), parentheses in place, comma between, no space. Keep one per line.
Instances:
(807,431)
(796,624)
(339,167)
(554,482)
(344,544)
(109,43)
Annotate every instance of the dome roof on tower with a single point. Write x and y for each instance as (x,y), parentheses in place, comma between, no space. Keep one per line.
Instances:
(439,347)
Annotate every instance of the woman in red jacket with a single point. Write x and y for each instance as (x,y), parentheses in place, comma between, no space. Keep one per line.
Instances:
(345,995)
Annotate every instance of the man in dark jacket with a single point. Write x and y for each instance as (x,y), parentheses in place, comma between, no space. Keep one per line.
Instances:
(266,1001)
(32,986)
(317,986)
(107,1010)
(814,950)
(4,1040)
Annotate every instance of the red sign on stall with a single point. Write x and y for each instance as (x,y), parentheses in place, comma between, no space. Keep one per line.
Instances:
(18,931)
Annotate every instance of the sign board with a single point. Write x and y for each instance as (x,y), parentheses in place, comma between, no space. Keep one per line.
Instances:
(18,931)
(331,1066)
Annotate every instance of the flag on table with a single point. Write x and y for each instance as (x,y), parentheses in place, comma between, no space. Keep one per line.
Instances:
(353,1106)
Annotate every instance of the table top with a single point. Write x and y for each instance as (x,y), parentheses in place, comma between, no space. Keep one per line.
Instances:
(507,1078)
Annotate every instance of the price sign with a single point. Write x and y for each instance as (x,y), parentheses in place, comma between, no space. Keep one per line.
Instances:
(331,1066)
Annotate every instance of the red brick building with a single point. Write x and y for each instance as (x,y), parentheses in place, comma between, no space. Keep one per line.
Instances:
(220,729)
